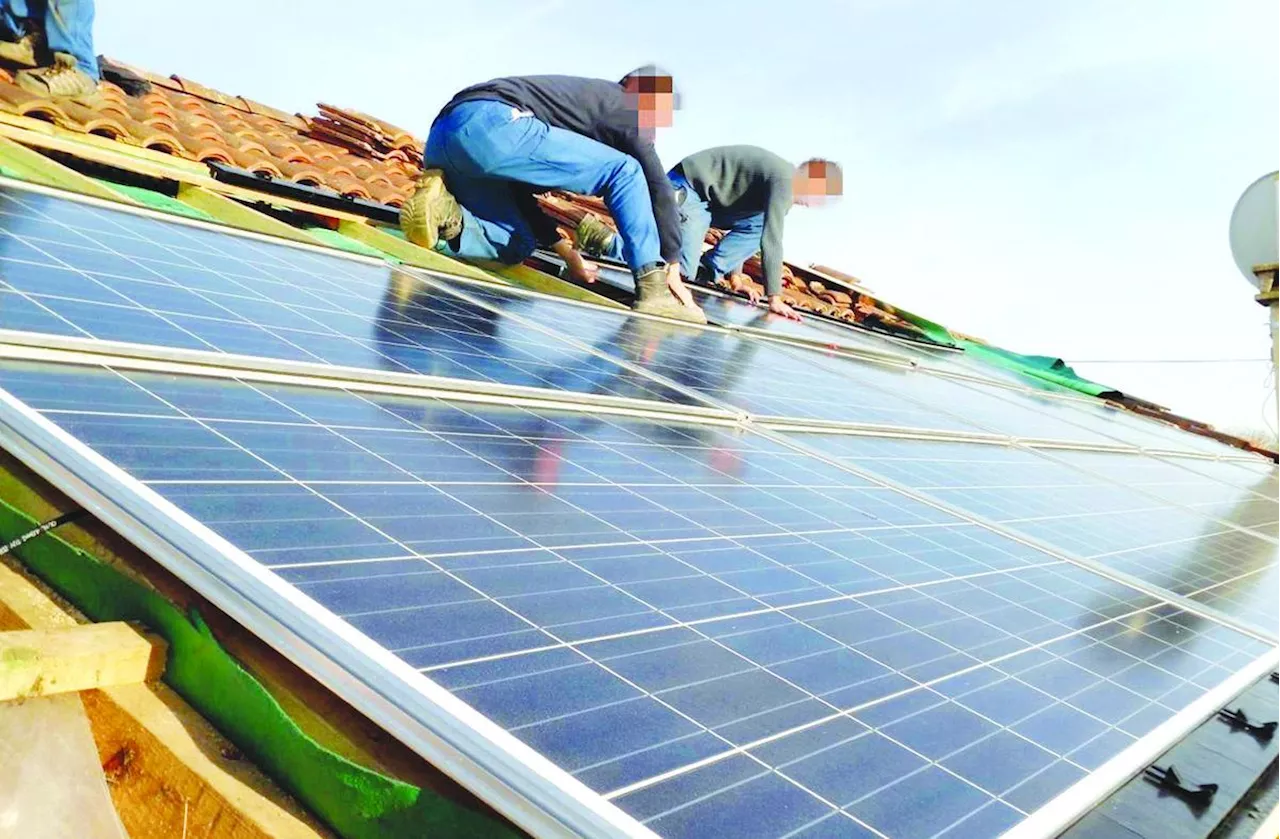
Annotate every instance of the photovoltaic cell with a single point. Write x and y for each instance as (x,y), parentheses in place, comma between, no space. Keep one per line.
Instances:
(1195,537)
(754,375)
(702,625)
(70,269)
(770,380)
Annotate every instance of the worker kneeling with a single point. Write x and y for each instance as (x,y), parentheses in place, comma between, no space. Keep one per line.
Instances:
(496,145)
(745,191)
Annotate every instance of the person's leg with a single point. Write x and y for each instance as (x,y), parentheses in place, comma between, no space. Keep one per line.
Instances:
(740,242)
(492,224)
(526,150)
(68,27)
(695,220)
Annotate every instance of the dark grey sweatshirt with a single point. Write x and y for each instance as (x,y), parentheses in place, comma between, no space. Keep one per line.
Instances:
(747,179)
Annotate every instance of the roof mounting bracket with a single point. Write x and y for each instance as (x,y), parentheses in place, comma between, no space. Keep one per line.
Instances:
(1238,721)
(323,198)
(1167,779)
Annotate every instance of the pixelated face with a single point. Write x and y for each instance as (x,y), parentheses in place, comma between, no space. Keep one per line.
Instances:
(817,182)
(655,100)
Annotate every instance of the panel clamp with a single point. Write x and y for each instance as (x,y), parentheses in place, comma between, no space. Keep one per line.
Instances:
(1260,731)
(1196,797)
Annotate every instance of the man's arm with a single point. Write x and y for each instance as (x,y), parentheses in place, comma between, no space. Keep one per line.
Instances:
(775,214)
(661,195)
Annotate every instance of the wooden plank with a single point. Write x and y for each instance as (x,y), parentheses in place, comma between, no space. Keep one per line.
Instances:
(169,772)
(535,280)
(42,662)
(316,709)
(235,214)
(409,253)
(31,165)
(145,162)
(521,275)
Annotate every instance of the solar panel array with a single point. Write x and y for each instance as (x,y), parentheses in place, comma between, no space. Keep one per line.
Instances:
(755,629)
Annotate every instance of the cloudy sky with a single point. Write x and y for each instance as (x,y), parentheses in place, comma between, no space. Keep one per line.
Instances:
(1055,176)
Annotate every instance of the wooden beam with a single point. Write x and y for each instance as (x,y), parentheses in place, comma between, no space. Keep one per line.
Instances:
(42,662)
(31,165)
(145,162)
(235,214)
(315,708)
(532,278)
(411,254)
(166,767)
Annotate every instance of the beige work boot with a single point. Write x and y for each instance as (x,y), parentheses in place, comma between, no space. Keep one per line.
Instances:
(63,80)
(654,298)
(21,51)
(431,213)
(593,235)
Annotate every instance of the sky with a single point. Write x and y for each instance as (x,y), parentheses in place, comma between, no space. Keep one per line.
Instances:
(1055,177)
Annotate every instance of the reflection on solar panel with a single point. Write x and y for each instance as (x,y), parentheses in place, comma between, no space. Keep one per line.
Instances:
(1166,525)
(611,624)
(769,380)
(71,270)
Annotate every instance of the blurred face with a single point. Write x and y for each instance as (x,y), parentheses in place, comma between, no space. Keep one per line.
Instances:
(816,183)
(654,99)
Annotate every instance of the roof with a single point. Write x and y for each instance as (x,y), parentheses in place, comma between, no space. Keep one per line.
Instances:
(345,151)
(862,482)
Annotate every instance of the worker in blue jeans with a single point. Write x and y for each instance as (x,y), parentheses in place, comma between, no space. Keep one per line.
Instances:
(494,146)
(745,191)
(55,39)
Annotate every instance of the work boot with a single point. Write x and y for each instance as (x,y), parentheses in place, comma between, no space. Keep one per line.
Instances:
(594,236)
(63,80)
(21,51)
(654,298)
(431,214)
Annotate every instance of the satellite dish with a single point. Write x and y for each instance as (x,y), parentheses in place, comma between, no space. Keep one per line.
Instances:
(1254,224)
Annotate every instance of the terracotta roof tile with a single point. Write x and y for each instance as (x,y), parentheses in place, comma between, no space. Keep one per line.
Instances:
(292,120)
(162,141)
(347,151)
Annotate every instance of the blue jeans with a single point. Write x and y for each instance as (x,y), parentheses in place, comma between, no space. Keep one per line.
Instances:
(490,153)
(743,232)
(68,26)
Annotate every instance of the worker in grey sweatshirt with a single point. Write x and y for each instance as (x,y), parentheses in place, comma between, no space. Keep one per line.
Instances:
(745,191)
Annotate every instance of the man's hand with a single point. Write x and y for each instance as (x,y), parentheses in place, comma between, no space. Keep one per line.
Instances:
(578,268)
(677,286)
(778,306)
(741,284)
(581,270)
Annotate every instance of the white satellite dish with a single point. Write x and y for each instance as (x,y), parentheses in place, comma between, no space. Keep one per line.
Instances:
(1255,227)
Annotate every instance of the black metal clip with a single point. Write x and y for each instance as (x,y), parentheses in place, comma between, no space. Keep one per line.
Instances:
(1197,797)
(1275,676)
(1260,731)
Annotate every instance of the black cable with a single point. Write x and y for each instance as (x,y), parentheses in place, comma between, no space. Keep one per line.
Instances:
(56,521)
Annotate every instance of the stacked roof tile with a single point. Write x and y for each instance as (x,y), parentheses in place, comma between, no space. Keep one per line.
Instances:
(347,152)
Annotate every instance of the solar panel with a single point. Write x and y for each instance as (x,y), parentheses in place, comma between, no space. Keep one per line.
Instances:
(1166,525)
(773,381)
(705,627)
(68,269)
(732,368)
(735,312)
